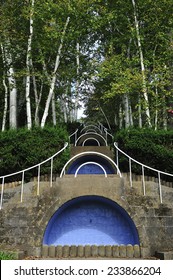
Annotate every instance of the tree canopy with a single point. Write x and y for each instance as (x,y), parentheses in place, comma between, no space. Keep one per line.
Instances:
(113,56)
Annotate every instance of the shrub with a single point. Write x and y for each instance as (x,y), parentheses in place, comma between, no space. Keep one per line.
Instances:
(152,148)
(22,148)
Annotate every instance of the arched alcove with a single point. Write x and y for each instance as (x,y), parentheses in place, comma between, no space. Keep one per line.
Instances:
(98,137)
(90,220)
(91,142)
(91,168)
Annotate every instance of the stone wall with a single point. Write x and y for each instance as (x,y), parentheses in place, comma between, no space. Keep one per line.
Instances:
(22,225)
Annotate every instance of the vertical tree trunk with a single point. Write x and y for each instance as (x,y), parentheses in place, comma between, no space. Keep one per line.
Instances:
(8,64)
(64,107)
(139,112)
(127,113)
(156,110)
(144,86)
(6,94)
(130,114)
(165,122)
(53,109)
(5,104)
(77,82)
(28,68)
(120,117)
(53,80)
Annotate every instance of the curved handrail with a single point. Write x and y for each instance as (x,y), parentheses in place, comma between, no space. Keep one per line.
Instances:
(91,125)
(146,166)
(90,138)
(90,153)
(36,165)
(90,162)
(74,133)
(143,166)
(22,172)
(93,133)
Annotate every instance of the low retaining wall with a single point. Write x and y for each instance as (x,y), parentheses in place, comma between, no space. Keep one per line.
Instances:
(87,251)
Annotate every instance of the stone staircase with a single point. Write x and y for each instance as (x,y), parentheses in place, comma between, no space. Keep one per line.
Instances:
(23,223)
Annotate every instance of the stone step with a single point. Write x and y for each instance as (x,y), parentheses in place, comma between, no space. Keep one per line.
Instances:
(99,149)
(164,255)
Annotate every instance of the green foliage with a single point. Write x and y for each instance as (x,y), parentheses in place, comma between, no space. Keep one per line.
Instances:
(152,148)
(6,256)
(23,148)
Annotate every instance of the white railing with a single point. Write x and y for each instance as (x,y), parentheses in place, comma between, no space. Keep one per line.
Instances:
(75,134)
(90,153)
(93,163)
(91,134)
(91,138)
(94,128)
(143,167)
(22,172)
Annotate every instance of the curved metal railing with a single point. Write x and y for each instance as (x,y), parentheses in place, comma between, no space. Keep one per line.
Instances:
(143,167)
(93,163)
(92,134)
(90,153)
(22,172)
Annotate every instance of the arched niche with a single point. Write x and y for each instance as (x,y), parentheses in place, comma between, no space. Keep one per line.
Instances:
(92,220)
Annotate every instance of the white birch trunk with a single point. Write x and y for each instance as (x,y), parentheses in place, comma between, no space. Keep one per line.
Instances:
(145,94)
(7,59)
(77,83)
(165,122)
(38,100)
(131,115)
(6,94)
(28,68)
(53,109)
(139,112)
(120,117)
(5,104)
(64,108)
(53,80)
(36,117)
(53,95)
(127,114)
(156,110)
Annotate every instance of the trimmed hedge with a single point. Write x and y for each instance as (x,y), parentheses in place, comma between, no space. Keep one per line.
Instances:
(20,149)
(152,148)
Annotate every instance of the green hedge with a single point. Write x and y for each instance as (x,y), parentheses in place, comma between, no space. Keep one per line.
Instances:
(20,149)
(152,148)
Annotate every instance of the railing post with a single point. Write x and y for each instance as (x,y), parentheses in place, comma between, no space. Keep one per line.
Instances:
(2,193)
(51,172)
(106,137)
(130,170)
(75,137)
(38,182)
(117,156)
(21,198)
(160,187)
(143,180)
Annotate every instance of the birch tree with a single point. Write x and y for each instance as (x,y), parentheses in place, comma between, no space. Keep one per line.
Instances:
(144,87)
(54,75)
(28,67)
(8,64)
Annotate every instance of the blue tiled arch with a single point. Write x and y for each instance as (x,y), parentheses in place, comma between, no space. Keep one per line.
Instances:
(91,168)
(90,220)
